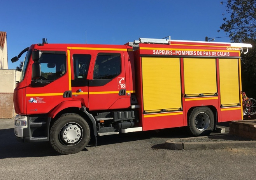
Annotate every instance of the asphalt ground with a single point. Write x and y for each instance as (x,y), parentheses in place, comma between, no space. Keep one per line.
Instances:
(140,155)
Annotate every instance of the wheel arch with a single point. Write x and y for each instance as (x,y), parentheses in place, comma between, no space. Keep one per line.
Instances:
(81,111)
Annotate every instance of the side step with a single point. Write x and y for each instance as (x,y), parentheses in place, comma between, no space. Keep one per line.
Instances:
(136,129)
(37,139)
(128,130)
(107,133)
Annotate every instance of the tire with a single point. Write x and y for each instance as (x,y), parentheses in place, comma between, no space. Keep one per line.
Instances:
(201,121)
(69,134)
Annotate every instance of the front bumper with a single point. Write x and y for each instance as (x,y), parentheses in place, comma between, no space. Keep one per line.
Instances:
(32,128)
(20,125)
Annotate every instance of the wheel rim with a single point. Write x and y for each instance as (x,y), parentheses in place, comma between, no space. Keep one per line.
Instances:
(202,121)
(71,133)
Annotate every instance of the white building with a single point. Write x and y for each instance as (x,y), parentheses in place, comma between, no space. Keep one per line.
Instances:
(3,50)
(7,81)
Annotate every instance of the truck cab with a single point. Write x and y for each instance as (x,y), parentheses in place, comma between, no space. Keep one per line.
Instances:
(91,80)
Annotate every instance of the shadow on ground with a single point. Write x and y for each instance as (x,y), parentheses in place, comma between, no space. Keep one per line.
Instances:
(11,148)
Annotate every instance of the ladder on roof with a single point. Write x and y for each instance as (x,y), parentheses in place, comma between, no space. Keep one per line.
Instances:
(167,40)
(136,43)
(153,41)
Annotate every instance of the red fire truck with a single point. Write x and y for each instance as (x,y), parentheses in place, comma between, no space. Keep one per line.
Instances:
(69,94)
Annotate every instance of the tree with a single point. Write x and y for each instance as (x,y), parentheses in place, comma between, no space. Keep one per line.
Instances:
(240,25)
(249,71)
(240,20)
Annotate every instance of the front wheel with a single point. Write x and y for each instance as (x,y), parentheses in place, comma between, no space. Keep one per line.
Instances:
(69,134)
(201,121)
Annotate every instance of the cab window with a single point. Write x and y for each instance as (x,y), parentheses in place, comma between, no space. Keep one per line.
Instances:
(53,66)
(107,66)
(81,65)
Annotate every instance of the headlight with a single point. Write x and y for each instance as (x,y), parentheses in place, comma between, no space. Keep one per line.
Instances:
(20,123)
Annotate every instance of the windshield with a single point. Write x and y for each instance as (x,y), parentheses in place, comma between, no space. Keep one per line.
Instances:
(25,65)
(52,65)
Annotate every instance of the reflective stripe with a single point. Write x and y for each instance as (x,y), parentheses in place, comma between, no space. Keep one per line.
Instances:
(99,49)
(197,99)
(162,114)
(45,94)
(105,92)
(76,93)
(230,109)
(69,70)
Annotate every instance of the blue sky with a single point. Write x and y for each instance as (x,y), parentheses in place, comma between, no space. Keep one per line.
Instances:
(107,21)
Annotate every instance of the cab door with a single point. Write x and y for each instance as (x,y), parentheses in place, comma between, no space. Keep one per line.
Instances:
(107,86)
(80,63)
(47,91)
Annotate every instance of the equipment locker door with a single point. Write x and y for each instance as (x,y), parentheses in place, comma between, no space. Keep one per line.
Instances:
(107,87)
(229,82)
(161,84)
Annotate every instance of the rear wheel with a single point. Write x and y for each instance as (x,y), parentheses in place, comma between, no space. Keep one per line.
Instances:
(201,121)
(69,134)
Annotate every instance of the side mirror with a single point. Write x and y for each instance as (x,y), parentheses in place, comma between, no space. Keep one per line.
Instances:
(36,70)
(36,55)
(14,59)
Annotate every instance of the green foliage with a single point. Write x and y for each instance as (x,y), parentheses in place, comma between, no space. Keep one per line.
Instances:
(240,20)
(249,71)
(240,25)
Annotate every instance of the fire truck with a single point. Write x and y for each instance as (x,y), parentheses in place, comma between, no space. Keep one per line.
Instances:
(69,94)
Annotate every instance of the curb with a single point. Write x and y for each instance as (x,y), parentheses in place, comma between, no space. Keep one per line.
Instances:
(203,145)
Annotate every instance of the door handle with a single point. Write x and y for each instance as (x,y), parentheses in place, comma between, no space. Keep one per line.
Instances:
(67,94)
(122,92)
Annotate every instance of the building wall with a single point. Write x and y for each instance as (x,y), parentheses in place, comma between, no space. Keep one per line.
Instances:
(7,84)
(6,105)
(7,80)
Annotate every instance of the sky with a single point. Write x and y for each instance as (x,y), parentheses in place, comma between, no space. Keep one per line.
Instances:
(107,21)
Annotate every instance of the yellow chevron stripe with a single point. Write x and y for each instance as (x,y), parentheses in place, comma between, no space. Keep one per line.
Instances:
(198,99)
(79,93)
(105,92)
(99,49)
(76,93)
(45,94)
(162,114)
(230,109)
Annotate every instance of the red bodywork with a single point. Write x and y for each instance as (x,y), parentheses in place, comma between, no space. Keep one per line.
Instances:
(107,98)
